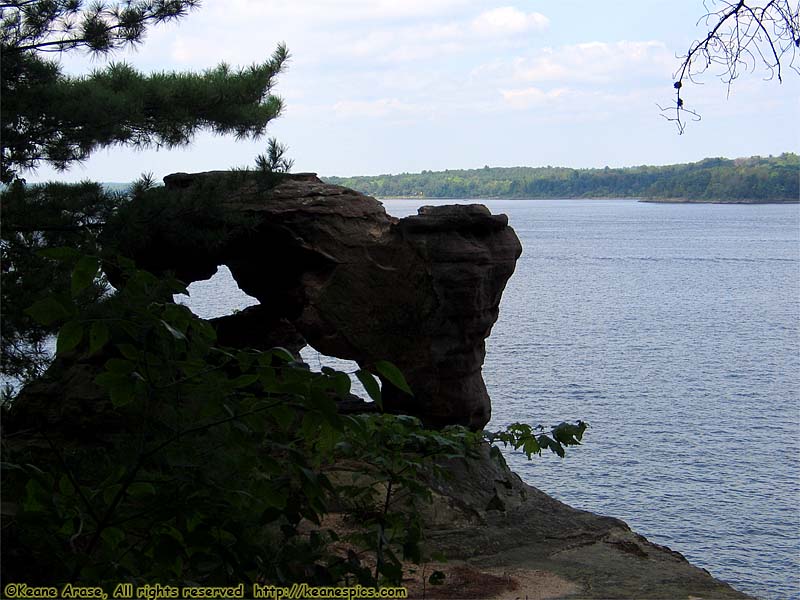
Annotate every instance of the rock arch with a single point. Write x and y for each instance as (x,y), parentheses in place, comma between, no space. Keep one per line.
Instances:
(332,269)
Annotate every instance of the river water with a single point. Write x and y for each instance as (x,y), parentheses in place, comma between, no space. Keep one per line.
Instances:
(674,330)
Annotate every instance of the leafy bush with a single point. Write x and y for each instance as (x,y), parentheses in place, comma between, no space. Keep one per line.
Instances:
(209,465)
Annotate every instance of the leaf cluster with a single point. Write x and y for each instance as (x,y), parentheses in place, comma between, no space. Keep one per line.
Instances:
(391,458)
(532,440)
(275,160)
(90,219)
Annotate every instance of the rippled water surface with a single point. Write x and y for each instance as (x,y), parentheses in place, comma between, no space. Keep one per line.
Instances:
(674,330)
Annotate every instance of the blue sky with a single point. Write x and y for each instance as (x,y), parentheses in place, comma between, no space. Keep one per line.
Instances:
(390,86)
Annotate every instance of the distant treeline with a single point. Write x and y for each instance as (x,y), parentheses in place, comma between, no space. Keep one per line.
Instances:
(755,179)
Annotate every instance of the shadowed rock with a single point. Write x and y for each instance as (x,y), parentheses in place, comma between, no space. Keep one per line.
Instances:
(329,266)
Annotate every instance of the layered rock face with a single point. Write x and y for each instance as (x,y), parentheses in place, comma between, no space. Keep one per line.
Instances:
(332,269)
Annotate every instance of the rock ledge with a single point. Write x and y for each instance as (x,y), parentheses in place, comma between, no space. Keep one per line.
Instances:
(486,520)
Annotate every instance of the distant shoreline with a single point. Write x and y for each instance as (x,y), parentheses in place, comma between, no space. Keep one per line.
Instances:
(649,200)
(752,180)
(704,201)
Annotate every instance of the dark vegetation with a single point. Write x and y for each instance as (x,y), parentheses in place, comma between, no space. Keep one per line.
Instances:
(756,179)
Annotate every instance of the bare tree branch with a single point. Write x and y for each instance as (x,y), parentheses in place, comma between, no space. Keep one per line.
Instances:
(743,35)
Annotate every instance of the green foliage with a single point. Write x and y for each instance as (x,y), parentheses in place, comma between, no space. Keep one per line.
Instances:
(275,160)
(532,440)
(49,116)
(42,223)
(386,488)
(752,179)
(393,375)
(371,386)
(99,27)
(211,458)
(437,578)
(214,465)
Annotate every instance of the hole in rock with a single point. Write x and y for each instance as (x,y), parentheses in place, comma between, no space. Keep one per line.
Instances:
(216,297)
(220,295)
(316,360)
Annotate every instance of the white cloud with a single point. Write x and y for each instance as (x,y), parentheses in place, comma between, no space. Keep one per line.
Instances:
(508,20)
(185,50)
(317,31)
(597,62)
(404,44)
(322,31)
(332,10)
(382,107)
(431,40)
(532,97)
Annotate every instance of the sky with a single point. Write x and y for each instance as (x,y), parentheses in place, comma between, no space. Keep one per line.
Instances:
(392,86)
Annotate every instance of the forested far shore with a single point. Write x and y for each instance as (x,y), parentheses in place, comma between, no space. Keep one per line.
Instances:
(755,179)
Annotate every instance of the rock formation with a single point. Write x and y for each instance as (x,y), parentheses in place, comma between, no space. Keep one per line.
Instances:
(489,523)
(331,268)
